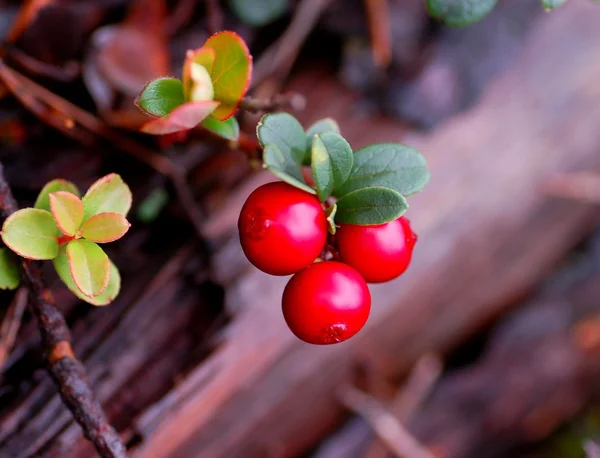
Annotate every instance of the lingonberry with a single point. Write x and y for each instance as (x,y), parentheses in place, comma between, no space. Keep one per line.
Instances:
(380,253)
(282,229)
(326,303)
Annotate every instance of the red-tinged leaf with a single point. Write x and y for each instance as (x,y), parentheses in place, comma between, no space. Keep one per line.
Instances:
(108,194)
(205,56)
(89,265)
(43,200)
(104,227)
(67,210)
(231,72)
(31,233)
(184,117)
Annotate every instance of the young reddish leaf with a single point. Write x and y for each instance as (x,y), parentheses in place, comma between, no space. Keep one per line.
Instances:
(43,200)
(31,233)
(10,274)
(161,96)
(231,72)
(205,57)
(108,194)
(67,210)
(184,117)
(89,266)
(228,129)
(202,87)
(104,227)
(61,265)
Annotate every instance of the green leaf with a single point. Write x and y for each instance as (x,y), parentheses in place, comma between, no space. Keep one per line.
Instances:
(367,206)
(258,12)
(231,72)
(286,132)
(43,200)
(10,274)
(228,129)
(340,154)
(320,127)
(104,227)
(108,194)
(184,117)
(549,5)
(205,57)
(31,233)
(67,211)
(391,165)
(149,209)
(321,169)
(330,212)
(89,265)
(282,165)
(161,96)
(459,13)
(61,265)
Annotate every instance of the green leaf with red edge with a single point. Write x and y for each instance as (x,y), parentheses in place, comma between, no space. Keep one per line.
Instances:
(61,265)
(184,117)
(205,57)
(67,210)
(161,96)
(231,72)
(43,200)
(228,129)
(109,194)
(31,233)
(10,274)
(89,266)
(104,227)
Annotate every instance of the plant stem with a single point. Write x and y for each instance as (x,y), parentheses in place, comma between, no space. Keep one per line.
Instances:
(277,102)
(65,369)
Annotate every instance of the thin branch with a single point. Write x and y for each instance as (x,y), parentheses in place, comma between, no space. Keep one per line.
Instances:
(11,324)
(65,369)
(292,100)
(378,13)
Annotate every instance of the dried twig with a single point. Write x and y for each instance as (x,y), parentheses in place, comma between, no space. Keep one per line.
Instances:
(11,324)
(292,100)
(386,426)
(66,370)
(378,13)
(27,14)
(66,73)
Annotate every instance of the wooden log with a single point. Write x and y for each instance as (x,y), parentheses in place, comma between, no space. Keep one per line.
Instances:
(487,236)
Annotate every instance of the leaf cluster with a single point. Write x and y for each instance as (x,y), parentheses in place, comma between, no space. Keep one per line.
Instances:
(369,185)
(67,229)
(215,79)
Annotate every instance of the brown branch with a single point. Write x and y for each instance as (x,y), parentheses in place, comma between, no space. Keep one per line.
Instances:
(65,369)
(11,324)
(292,100)
(378,13)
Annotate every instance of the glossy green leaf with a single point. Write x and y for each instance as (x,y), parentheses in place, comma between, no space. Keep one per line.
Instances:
(109,194)
(286,132)
(61,265)
(459,13)
(282,165)
(259,12)
(161,96)
(320,127)
(67,210)
(376,205)
(104,227)
(341,157)
(228,129)
(89,265)
(231,72)
(10,273)
(330,212)
(391,165)
(43,200)
(205,57)
(321,169)
(31,233)
(149,209)
(549,5)
(184,117)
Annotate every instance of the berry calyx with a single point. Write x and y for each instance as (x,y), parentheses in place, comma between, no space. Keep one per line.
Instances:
(380,253)
(326,303)
(282,228)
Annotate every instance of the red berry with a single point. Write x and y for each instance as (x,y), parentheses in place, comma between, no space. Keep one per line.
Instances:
(380,253)
(326,303)
(282,228)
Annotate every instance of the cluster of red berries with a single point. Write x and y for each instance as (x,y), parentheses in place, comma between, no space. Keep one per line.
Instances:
(283,230)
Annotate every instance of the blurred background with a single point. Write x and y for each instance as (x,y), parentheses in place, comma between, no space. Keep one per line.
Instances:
(489,346)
